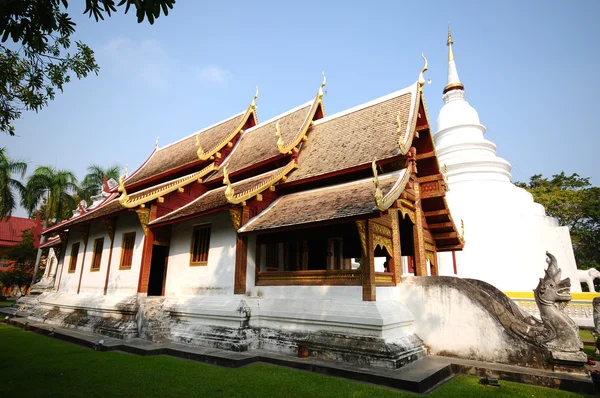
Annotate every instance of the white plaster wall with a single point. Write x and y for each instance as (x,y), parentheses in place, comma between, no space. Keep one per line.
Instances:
(450,322)
(68,281)
(217,277)
(511,258)
(125,281)
(92,282)
(349,293)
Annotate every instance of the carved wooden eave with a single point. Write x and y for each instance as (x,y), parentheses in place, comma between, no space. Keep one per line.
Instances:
(242,197)
(213,152)
(386,201)
(292,146)
(161,190)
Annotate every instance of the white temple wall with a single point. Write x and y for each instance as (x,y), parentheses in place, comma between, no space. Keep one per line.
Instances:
(511,257)
(69,280)
(125,281)
(217,277)
(92,282)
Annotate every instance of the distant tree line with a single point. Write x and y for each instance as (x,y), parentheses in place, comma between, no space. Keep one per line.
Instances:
(575,203)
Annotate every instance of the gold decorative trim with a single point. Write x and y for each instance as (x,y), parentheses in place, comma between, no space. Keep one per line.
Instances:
(406,211)
(142,198)
(384,202)
(383,278)
(301,135)
(211,153)
(144,217)
(361,227)
(242,197)
(236,218)
(109,225)
(383,242)
(382,230)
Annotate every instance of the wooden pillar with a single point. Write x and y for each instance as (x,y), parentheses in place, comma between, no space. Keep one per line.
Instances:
(397,253)
(365,232)
(419,237)
(240,217)
(144,215)
(110,230)
(85,233)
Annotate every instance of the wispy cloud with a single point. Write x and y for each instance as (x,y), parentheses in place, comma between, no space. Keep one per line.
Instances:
(214,74)
(147,60)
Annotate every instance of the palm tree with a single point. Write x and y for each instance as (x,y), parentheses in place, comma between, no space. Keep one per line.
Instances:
(93,180)
(52,189)
(8,185)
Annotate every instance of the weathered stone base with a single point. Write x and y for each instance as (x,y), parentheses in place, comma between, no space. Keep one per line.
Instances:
(114,320)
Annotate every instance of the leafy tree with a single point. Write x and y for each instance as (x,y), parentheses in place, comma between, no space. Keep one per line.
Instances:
(23,256)
(9,187)
(24,252)
(38,62)
(94,179)
(576,204)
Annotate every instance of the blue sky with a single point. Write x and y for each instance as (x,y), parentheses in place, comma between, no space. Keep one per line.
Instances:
(530,68)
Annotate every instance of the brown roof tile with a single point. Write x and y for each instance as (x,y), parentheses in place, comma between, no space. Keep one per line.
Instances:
(322,204)
(216,197)
(184,151)
(259,143)
(355,137)
(109,206)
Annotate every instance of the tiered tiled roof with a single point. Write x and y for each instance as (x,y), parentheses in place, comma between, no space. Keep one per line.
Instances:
(184,153)
(108,206)
(357,136)
(217,198)
(379,131)
(259,143)
(322,204)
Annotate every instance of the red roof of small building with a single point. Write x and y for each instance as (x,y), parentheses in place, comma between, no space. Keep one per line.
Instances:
(12,228)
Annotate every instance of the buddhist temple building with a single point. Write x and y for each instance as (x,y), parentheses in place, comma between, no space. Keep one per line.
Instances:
(299,224)
(506,233)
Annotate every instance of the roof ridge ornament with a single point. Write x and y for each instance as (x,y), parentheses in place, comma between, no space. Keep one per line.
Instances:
(322,85)
(421,77)
(280,143)
(386,201)
(124,197)
(293,147)
(377,194)
(253,103)
(156,145)
(229,192)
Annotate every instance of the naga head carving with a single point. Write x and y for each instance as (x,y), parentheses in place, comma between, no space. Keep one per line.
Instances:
(551,288)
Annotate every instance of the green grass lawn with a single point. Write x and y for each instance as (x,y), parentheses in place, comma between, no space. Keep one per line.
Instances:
(6,303)
(35,365)
(586,335)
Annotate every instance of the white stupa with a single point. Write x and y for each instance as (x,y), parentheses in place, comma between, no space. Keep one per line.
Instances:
(506,233)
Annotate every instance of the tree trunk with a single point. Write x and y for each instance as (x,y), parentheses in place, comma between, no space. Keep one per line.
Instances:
(38,257)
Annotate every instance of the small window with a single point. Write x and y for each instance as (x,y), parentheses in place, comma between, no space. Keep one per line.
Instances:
(200,245)
(127,250)
(97,257)
(74,254)
(272,256)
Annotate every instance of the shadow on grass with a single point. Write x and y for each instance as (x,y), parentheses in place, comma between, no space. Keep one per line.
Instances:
(34,365)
